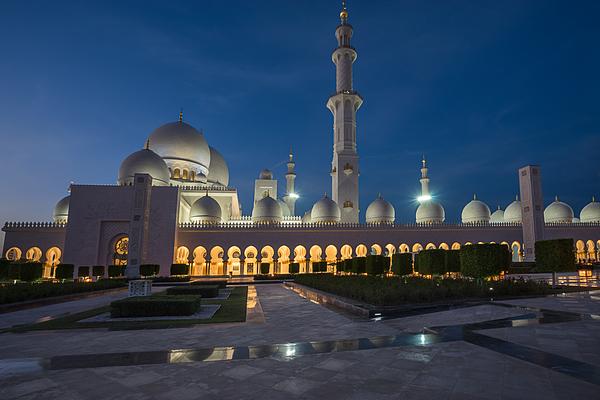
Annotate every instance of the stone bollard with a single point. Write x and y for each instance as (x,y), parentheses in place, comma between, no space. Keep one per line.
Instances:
(140,288)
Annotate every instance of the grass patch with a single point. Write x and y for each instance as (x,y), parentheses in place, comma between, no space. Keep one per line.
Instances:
(232,309)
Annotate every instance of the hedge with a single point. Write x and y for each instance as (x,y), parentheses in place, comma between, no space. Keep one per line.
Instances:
(375,265)
(64,271)
(180,269)
(402,264)
(31,271)
(116,271)
(294,268)
(484,260)
(14,271)
(206,291)
(432,262)
(98,270)
(155,306)
(4,266)
(31,291)
(148,270)
(359,265)
(83,272)
(452,260)
(319,266)
(221,283)
(265,268)
(556,255)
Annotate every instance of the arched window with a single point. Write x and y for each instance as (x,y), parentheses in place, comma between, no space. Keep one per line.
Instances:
(185,174)
(121,251)
(176,173)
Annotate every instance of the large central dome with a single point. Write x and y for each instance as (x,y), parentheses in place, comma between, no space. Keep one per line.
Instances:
(181,146)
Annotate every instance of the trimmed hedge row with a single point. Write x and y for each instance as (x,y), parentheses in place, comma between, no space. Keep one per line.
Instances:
(30,291)
(155,306)
(180,269)
(221,283)
(149,270)
(319,266)
(206,291)
(376,265)
(265,268)
(483,260)
(402,264)
(556,255)
(294,268)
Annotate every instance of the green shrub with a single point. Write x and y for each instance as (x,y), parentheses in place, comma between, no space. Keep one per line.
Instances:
(31,271)
(206,291)
(348,265)
(83,272)
(98,270)
(556,255)
(359,265)
(64,271)
(155,306)
(265,268)
(221,283)
(116,271)
(148,270)
(483,260)
(31,291)
(432,262)
(14,271)
(294,268)
(452,260)
(375,264)
(180,269)
(4,266)
(402,264)
(319,266)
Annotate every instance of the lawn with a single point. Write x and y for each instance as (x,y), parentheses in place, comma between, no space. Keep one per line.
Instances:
(232,309)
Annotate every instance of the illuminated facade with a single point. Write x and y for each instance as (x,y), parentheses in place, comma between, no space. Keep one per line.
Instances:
(173,204)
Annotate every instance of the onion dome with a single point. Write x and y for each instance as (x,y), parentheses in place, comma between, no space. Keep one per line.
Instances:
(285,210)
(380,211)
(181,146)
(306,218)
(476,212)
(267,210)
(206,210)
(513,212)
(430,212)
(497,216)
(61,210)
(144,161)
(591,212)
(325,211)
(218,172)
(265,174)
(558,212)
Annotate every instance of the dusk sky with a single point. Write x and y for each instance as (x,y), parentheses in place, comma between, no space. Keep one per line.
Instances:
(480,87)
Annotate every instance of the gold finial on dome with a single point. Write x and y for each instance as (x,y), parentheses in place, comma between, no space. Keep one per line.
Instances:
(148,144)
(344,12)
(181,115)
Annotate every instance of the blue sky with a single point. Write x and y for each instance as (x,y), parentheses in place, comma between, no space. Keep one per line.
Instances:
(481,88)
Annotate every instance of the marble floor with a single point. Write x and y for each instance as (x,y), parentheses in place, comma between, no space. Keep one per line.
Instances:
(528,352)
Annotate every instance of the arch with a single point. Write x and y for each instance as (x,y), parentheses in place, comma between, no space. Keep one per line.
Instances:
(390,249)
(404,248)
(417,247)
(315,253)
(516,251)
(376,249)
(176,173)
(283,260)
(185,174)
(346,252)
(444,246)
(455,246)
(468,243)
(119,250)
(331,254)
(300,257)
(580,248)
(34,254)
(200,266)
(13,254)
(182,255)
(361,250)
(53,255)
(266,256)
(250,261)
(430,246)
(216,261)
(234,254)
(591,251)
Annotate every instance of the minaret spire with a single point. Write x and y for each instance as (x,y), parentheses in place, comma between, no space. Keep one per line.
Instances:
(425,196)
(344,105)
(181,115)
(290,178)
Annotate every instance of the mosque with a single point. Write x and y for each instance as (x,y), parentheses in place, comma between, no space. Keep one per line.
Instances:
(172,203)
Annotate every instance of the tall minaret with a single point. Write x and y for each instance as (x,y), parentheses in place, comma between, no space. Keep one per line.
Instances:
(425,196)
(343,105)
(290,178)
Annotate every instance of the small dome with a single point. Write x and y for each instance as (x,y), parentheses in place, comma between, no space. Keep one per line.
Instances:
(206,210)
(558,212)
(61,210)
(380,211)
(513,212)
(306,218)
(144,162)
(265,174)
(180,144)
(267,210)
(497,216)
(430,212)
(591,212)
(285,210)
(475,212)
(218,172)
(325,210)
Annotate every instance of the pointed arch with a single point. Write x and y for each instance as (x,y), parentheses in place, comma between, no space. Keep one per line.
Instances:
(404,248)
(417,247)
(444,246)
(516,251)
(53,255)
(234,254)
(455,246)
(250,260)
(182,256)
(361,250)
(430,246)
(331,253)
(346,252)
(300,257)
(390,249)
(283,260)
(199,266)
(34,254)
(13,254)
(376,249)
(216,261)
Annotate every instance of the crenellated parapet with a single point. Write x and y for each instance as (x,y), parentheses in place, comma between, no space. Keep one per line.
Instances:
(12,226)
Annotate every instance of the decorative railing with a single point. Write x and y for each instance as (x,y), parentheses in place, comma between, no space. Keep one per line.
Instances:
(210,188)
(20,225)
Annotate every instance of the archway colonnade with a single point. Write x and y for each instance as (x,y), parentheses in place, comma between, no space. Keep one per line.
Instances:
(49,258)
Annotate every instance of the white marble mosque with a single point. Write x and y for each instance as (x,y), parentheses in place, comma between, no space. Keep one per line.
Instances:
(172,203)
